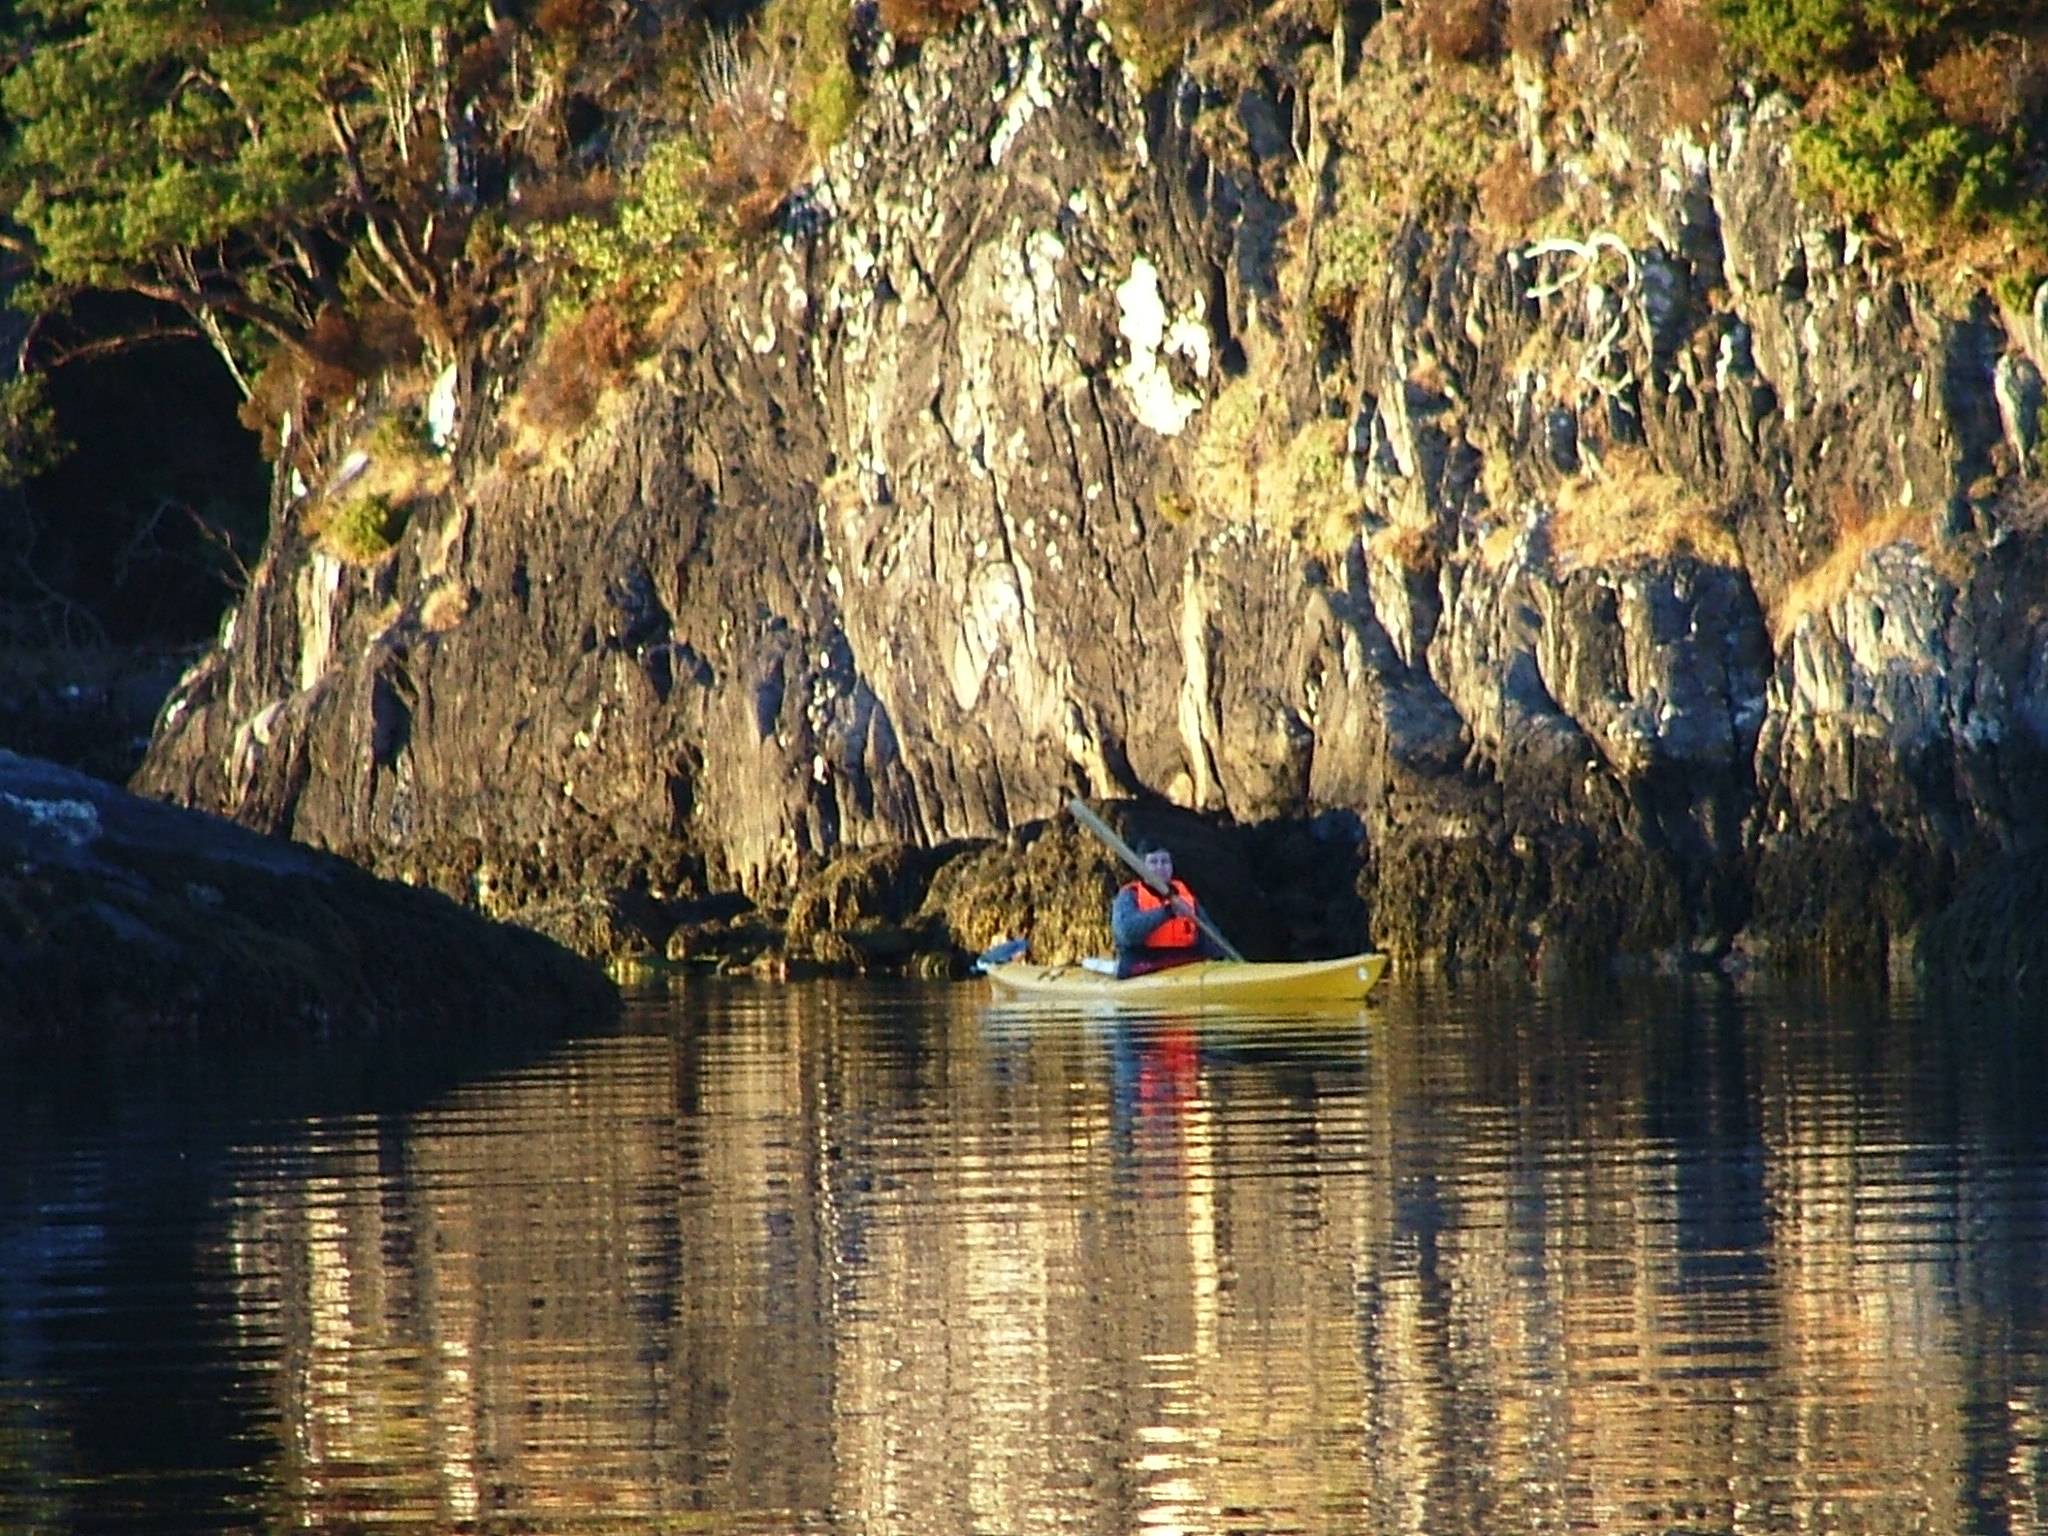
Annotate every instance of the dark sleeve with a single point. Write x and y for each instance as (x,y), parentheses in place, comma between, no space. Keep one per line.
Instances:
(1128,926)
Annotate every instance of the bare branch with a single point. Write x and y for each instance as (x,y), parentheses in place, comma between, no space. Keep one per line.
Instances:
(100,347)
(217,536)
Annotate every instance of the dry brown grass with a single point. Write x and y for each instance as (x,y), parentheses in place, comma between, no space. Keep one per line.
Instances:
(1846,510)
(273,395)
(1682,61)
(1467,31)
(577,364)
(1311,496)
(446,606)
(1991,83)
(1496,544)
(1221,478)
(1253,465)
(753,163)
(916,20)
(569,18)
(1531,24)
(314,380)
(755,149)
(1828,582)
(1513,198)
(557,199)
(329,372)
(386,337)
(1411,549)
(1628,511)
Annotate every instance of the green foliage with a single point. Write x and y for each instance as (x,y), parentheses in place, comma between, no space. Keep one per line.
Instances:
(363,528)
(1889,151)
(2016,290)
(1384,180)
(824,92)
(29,441)
(1351,244)
(400,434)
(770,96)
(827,109)
(645,245)
(1802,41)
(1152,35)
(1923,118)
(214,155)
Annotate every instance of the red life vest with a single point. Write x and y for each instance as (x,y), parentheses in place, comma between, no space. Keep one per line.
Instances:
(1176,932)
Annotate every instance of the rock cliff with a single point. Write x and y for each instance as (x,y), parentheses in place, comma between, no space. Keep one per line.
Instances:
(1604,550)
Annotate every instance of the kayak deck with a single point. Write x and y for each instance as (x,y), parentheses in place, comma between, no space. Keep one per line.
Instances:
(1347,979)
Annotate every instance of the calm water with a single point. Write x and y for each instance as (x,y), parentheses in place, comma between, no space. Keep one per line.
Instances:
(851,1259)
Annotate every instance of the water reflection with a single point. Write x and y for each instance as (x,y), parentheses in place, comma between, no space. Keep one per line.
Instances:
(779,1259)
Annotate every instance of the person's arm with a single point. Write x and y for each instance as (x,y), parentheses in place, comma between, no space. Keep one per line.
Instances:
(1129,927)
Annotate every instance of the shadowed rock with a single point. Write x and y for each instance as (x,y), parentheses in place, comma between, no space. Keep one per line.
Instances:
(119,913)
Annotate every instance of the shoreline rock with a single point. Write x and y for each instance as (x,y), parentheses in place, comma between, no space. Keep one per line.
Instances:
(120,914)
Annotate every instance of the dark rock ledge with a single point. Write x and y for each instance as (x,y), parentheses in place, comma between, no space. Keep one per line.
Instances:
(1283,890)
(122,914)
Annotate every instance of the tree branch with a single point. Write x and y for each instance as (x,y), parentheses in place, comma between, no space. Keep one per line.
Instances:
(128,341)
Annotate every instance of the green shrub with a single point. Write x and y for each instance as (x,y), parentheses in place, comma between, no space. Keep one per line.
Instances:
(1151,35)
(823,91)
(1464,31)
(1889,151)
(363,528)
(400,434)
(1801,41)
(30,443)
(827,109)
(2016,290)
(1929,115)
(658,224)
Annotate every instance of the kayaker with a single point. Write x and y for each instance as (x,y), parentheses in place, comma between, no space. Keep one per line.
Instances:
(1152,932)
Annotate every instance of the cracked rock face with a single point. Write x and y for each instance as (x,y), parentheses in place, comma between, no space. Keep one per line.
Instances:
(1600,580)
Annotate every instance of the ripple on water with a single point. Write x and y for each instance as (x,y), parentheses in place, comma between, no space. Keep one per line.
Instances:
(892,1258)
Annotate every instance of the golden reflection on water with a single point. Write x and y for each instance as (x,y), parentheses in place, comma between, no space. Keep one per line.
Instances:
(792,1260)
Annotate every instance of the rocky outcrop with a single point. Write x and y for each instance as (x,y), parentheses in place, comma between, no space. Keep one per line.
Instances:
(122,918)
(1649,568)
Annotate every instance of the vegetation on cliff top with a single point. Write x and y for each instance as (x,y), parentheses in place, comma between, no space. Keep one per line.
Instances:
(1927,117)
(324,194)
(343,183)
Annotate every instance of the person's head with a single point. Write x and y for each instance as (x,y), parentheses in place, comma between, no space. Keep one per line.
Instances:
(1158,862)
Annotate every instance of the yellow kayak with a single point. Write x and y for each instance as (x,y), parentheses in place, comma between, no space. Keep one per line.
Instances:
(1206,981)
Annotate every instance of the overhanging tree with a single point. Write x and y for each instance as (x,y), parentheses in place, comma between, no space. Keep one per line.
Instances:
(250,164)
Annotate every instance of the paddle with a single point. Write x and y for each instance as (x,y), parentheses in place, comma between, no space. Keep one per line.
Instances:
(1124,851)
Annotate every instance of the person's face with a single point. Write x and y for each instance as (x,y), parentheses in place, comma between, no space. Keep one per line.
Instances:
(1159,865)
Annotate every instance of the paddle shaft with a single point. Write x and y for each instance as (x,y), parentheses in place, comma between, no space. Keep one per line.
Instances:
(1123,850)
